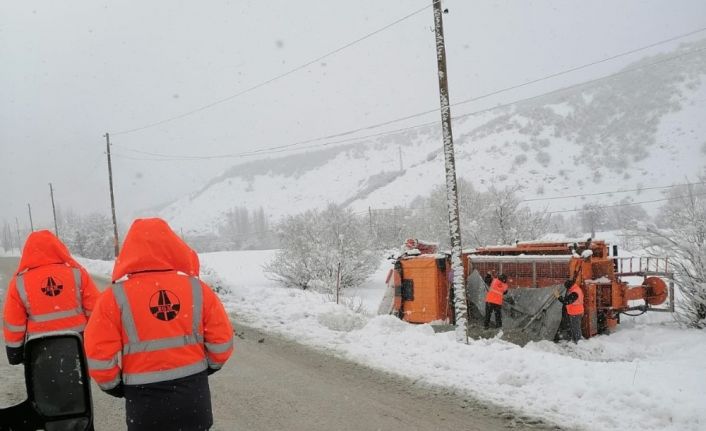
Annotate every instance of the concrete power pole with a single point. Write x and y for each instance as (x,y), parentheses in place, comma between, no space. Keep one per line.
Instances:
(31,223)
(460,306)
(53,209)
(116,241)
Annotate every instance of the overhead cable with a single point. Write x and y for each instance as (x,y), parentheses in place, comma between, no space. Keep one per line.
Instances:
(280,148)
(609,192)
(625,204)
(275,78)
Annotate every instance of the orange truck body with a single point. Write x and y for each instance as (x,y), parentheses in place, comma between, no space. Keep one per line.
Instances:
(549,264)
(423,293)
(422,290)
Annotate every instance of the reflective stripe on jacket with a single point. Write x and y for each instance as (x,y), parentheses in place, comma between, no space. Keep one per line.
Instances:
(496,292)
(576,307)
(46,299)
(156,326)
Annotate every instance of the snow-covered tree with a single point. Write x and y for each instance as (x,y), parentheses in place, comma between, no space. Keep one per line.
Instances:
(682,237)
(626,215)
(242,229)
(88,236)
(315,243)
(391,226)
(487,218)
(593,218)
(8,242)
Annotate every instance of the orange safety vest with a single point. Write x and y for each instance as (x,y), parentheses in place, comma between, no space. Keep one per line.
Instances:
(49,293)
(496,292)
(576,307)
(160,324)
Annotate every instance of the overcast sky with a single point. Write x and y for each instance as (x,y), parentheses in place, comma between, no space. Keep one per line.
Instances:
(72,70)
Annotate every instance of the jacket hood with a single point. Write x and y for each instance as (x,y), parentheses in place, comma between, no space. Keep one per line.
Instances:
(43,248)
(151,245)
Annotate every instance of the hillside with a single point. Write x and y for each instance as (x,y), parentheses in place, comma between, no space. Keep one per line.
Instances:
(641,128)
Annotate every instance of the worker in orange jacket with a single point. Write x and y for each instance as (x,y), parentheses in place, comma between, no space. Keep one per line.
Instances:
(573,300)
(157,332)
(494,300)
(50,292)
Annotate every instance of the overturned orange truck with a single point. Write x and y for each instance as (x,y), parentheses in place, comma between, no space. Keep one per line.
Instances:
(420,285)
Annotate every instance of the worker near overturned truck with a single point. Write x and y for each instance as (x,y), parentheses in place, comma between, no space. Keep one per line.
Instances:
(573,301)
(494,301)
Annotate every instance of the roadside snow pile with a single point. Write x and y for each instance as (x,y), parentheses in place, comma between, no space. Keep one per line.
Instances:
(100,268)
(649,375)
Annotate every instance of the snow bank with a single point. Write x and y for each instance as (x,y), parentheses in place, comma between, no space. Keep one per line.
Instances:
(100,268)
(649,375)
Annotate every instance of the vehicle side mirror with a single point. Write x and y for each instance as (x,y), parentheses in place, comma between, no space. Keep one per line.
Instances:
(58,387)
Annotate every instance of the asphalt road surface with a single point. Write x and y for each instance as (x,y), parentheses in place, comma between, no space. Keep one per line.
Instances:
(271,383)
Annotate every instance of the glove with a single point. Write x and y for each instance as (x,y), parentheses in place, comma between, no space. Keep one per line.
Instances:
(510,300)
(117,392)
(560,299)
(15,355)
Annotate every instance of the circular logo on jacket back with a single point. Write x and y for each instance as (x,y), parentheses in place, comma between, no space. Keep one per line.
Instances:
(52,286)
(164,305)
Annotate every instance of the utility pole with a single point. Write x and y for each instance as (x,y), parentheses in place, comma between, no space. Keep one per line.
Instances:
(31,223)
(459,290)
(53,209)
(112,197)
(7,236)
(370,219)
(401,165)
(19,241)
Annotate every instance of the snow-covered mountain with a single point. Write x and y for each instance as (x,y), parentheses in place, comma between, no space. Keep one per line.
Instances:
(643,127)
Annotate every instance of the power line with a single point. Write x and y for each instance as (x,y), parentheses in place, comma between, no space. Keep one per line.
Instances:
(360,139)
(623,204)
(584,66)
(503,90)
(608,192)
(626,204)
(275,78)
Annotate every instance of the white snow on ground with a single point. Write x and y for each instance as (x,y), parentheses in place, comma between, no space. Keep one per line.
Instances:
(100,268)
(649,375)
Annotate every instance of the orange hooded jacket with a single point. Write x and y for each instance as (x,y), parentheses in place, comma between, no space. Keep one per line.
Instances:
(49,292)
(161,323)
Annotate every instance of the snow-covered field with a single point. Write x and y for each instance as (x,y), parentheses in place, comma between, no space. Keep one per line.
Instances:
(650,375)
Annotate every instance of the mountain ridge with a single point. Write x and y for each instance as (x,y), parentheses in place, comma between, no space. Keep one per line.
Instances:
(625,129)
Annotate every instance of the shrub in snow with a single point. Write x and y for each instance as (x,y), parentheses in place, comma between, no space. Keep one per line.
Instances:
(211,277)
(315,243)
(682,237)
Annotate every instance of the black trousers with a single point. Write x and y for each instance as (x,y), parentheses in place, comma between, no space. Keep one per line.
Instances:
(493,308)
(176,405)
(575,325)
